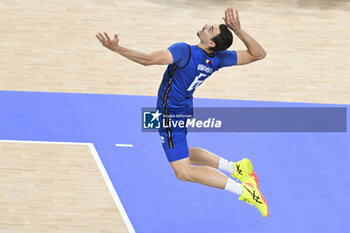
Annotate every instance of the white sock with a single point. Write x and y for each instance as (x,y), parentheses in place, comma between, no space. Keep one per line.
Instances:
(234,187)
(226,166)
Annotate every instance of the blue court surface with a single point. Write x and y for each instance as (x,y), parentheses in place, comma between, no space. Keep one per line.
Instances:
(304,176)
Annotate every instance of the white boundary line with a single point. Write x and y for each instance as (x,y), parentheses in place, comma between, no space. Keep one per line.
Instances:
(103,171)
(124,145)
(112,191)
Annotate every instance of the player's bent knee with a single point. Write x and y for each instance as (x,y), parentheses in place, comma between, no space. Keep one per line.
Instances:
(183,174)
(182,169)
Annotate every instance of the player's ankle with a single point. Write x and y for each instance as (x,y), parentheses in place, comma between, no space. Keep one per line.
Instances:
(226,166)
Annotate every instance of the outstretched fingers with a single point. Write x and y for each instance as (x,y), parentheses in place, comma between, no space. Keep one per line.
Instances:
(237,16)
(229,16)
(232,19)
(226,15)
(116,37)
(107,42)
(232,16)
(101,38)
(108,39)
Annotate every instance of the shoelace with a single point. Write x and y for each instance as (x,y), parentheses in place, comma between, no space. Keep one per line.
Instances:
(239,170)
(255,197)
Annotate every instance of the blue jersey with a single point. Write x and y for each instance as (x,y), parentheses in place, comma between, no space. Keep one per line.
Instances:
(191,67)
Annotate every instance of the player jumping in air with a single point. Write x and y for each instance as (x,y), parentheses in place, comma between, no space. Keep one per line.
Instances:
(188,67)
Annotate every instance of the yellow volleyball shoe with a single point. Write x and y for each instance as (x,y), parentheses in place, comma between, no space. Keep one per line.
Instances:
(244,170)
(252,195)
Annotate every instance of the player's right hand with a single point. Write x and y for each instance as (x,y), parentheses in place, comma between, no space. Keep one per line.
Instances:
(232,20)
(107,42)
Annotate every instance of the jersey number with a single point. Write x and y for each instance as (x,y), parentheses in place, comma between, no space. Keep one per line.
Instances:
(196,82)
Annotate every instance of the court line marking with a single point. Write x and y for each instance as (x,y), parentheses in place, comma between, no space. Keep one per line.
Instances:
(124,145)
(103,171)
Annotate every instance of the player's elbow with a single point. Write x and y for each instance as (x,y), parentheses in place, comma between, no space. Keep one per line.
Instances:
(147,62)
(260,56)
(253,57)
(263,55)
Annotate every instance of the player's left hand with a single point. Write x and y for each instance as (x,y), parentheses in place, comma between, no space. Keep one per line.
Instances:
(232,20)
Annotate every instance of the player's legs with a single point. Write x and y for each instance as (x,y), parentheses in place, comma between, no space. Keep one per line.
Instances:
(239,169)
(176,149)
(247,191)
(199,174)
(179,158)
(200,156)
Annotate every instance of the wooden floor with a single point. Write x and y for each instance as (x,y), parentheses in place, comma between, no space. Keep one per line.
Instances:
(54,188)
(51,46)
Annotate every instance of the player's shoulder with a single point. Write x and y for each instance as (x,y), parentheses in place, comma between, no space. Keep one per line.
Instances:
(181,53)
(227,57)
(180,44)
(225,53)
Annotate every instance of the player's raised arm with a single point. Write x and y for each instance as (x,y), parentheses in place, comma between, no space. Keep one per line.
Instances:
(254,50)
(161,57)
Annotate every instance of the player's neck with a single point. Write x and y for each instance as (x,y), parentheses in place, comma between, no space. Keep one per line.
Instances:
(205,49)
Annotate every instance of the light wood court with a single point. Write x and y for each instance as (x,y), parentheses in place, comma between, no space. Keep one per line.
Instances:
(50,46)
(54,188)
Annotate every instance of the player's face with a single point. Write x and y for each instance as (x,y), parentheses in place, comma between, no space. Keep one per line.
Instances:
(208,33)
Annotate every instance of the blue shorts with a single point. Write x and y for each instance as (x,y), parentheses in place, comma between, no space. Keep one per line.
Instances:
(173,136)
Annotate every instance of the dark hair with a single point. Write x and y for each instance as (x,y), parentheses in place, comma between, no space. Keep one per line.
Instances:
(224,40)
